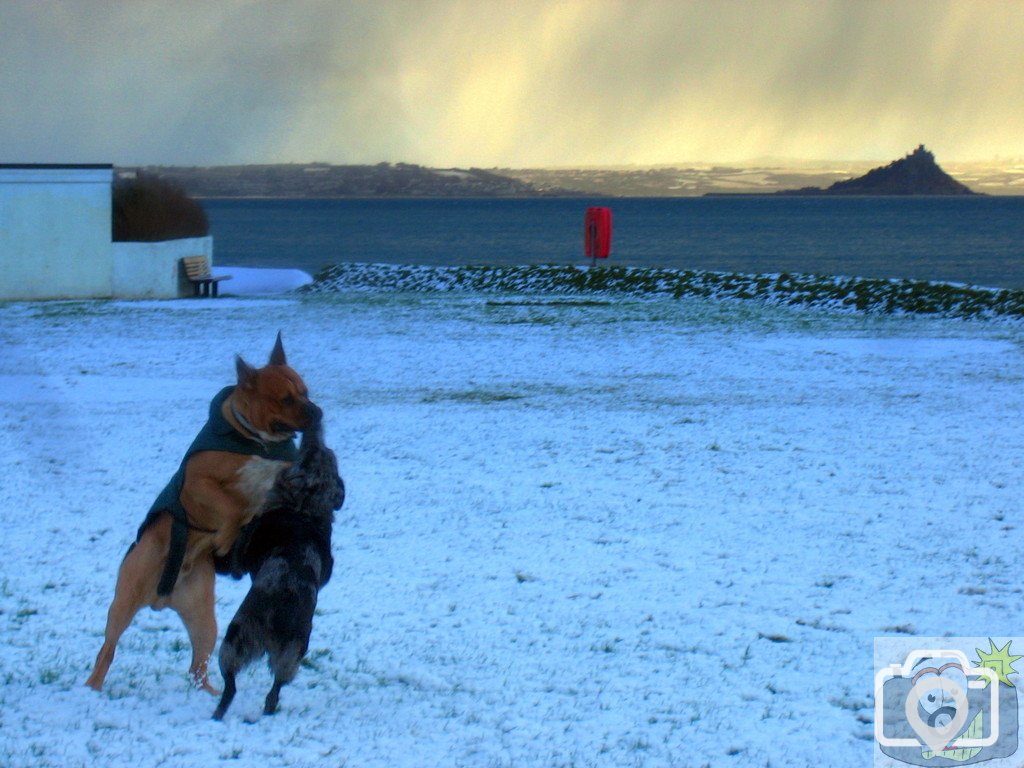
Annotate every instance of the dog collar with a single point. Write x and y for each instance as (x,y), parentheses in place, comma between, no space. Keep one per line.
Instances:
(246,425)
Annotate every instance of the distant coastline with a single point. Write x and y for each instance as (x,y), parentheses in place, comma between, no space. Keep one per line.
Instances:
(326,181)
(403,180)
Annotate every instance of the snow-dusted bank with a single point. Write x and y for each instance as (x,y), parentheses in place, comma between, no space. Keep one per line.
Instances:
(786,289)
(635,530)
(250,281)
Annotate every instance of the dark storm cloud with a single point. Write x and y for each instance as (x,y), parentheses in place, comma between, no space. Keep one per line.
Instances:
(162,81)
(526,83)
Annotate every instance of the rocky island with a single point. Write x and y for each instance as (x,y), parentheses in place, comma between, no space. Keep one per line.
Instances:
(915,174)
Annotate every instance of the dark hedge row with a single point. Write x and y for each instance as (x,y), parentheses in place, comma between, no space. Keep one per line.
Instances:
(147,208)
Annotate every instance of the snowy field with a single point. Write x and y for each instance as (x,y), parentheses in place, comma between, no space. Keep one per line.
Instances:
(631,532)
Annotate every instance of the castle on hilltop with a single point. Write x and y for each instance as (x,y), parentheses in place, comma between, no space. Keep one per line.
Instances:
(915,174)
(921,154)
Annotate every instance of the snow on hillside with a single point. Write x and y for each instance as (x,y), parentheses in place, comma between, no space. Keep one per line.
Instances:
(624,532)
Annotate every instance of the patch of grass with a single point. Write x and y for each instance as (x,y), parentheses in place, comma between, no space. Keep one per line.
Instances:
(24,614)
(900,629)
(640,745)
(313,658)
(608,646)
(472,396)
(850,704)
(74,309)
(775,638)
(551,303)
(971,590)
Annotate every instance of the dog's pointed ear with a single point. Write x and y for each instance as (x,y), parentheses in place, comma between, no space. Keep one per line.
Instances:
(246,373)
(277,354)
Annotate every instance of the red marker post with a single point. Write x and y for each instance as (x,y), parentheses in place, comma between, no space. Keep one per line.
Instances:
(597,234)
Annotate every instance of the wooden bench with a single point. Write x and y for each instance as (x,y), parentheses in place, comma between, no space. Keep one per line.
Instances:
(197,270)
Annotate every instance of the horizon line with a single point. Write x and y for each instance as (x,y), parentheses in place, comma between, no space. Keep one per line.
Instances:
(752,162)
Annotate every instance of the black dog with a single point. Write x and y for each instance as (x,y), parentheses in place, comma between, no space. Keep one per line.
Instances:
(287,550)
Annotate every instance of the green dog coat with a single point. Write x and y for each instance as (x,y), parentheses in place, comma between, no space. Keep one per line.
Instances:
(216,435)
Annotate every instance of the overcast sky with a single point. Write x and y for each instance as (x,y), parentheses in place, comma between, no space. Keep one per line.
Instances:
(516,83)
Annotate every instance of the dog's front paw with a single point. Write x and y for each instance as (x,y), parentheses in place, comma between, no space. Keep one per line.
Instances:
(198,677)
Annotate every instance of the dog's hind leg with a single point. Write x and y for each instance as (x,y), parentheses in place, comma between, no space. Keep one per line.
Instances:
(284,662)
(136,587)
(234,655)
(229,693)
(270,705)
(193,599)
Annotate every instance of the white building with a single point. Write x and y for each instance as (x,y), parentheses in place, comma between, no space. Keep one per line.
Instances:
(55,240)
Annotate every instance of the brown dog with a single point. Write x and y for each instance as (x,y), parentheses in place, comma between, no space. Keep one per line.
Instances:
(220,486)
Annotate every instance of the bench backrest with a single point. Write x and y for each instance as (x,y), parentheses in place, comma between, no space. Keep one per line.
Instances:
(196,267)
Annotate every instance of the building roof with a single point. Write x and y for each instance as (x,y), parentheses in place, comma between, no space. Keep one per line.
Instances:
(57,166)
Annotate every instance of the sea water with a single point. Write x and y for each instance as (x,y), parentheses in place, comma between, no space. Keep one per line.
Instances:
(973,240)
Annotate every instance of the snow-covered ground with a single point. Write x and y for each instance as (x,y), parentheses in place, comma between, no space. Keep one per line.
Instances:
(633,532)
(250,281)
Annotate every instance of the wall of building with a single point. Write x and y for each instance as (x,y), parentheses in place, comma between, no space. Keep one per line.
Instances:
(55,227)
(153,270)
